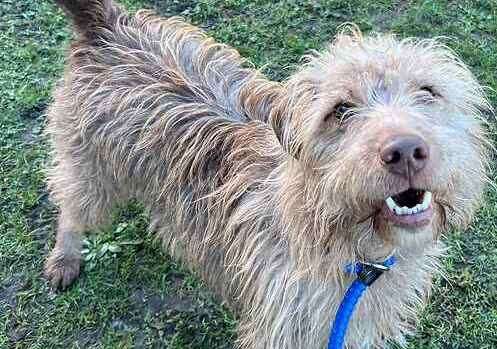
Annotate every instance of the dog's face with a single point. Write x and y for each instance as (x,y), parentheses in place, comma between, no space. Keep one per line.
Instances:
(394,136)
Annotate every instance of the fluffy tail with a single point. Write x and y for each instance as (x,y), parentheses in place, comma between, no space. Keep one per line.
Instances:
(90,17)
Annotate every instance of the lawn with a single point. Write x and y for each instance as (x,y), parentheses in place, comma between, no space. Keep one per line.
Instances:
(130,293)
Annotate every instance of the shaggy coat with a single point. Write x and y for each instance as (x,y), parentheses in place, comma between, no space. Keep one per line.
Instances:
(261,187)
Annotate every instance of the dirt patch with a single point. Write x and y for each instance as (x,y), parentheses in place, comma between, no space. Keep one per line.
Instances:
(184,9)
(176,312)
(156,304)
(170,8)
(86,338)
(34,112)
(33,119)
(9,288)
(40,220)
(400,7)
(383,20)
(8,291)
(17,332)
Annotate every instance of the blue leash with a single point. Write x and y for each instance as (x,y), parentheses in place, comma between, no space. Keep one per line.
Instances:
(367,273)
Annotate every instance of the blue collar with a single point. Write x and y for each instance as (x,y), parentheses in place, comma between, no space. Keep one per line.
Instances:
(367,274)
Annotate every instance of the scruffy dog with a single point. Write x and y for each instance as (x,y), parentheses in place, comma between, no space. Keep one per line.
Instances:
(267,190)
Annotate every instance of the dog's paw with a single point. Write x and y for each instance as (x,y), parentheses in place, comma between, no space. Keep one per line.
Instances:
(61,270)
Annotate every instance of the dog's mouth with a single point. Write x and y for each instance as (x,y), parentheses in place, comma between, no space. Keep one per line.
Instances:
(410,208)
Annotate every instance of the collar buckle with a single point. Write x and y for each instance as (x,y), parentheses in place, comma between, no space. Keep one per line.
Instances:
(370,272)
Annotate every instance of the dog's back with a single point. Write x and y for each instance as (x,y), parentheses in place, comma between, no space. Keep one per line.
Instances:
(151,108)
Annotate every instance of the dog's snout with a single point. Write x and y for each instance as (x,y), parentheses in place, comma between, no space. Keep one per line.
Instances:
(404,155)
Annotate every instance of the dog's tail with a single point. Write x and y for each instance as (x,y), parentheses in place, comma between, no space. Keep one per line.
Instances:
(90,17)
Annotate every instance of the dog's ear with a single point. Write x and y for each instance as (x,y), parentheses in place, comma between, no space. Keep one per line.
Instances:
(284,126)
(291,115)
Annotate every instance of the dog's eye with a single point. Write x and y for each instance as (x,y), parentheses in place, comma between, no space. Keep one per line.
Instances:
(341,111)
(430,90)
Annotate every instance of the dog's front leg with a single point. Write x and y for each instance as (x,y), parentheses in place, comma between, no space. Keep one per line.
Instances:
(62,266)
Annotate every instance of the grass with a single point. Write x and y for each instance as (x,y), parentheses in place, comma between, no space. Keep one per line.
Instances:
(133,295)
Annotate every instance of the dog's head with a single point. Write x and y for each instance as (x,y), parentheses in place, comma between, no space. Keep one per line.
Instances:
(390,133)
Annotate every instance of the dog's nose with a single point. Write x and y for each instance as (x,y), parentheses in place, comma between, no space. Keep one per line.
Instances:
(405,155)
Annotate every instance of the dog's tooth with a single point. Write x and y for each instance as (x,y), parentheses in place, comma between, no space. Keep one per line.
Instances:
(409,211)
(398,210)
(390,203)
(415,209)
(427,199)
(404,210)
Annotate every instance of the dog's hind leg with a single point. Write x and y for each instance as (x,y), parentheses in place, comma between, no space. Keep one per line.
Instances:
(85,203)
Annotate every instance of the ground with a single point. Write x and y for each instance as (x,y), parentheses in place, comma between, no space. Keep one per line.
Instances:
(131,294)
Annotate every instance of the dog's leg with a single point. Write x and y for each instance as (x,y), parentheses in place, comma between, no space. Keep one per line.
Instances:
(85,201)
(62,266)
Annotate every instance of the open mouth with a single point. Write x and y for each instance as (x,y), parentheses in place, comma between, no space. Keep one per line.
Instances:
(410,208)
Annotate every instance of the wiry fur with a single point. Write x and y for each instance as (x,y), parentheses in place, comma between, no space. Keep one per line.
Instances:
(245,181)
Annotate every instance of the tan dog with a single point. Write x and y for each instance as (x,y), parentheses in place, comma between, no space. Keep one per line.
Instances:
(268,190)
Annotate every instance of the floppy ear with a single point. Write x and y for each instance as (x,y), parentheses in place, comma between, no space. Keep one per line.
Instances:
(286,132)
(293,112)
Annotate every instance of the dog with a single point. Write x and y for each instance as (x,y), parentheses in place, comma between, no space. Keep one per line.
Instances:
(267,190)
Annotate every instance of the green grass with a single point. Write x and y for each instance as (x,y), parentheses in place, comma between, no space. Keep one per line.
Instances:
(135,295)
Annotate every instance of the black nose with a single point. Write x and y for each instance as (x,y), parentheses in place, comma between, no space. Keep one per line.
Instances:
(405,155)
